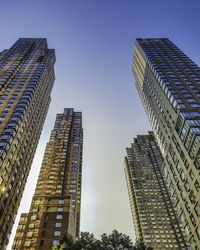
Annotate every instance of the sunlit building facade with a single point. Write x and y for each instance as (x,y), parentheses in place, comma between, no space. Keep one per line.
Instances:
(26,81)
(168,83)
(55,207)
(155,220)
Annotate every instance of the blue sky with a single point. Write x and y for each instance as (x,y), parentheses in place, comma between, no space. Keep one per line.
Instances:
(94,41)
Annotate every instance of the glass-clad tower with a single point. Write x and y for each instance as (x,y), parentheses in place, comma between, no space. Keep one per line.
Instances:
(55,207)
(26,81)
(168,83)
(155,220)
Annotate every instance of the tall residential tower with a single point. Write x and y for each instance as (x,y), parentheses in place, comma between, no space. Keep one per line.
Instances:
(168,83)
(26,81)
(55,207)
(155,220)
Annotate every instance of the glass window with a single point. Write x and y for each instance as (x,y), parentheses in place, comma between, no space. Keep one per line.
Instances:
(33,217)
(59,216)
(183,217)
(43,233)
(195,105)
(179,167)
(192,220)
(197,160)
(191,174)
(192,197)
(186,164)
(55,242)
(189,139)
(57,233)
(183,195)
(58,224)
(187,229)
(187,186)
(198,232)
(179,123)
(29,234)
(197,209)
(197,186)
(184,131)
(41,243)
(196,130)
(193,147)
(182,175)
(27,243)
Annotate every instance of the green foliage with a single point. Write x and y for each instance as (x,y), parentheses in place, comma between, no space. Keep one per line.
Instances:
(141,246)
(66,243)
(87,241)
(116,240)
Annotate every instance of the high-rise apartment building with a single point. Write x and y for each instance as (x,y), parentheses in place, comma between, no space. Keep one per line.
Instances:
(26,80)
(168,83)
(55,207)
(155,220)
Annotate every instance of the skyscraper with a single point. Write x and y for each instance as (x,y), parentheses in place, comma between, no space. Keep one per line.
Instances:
(55,207)
(155,220)
(26,80)
(168,83)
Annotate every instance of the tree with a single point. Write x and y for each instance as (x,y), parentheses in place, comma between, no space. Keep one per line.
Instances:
(86,241)
(113,241)
(141,246)
(66,243)
(116,240)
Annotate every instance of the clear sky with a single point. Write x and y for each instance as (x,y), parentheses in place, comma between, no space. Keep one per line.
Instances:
(94,42)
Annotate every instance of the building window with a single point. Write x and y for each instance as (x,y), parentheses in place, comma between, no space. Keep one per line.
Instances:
(27,243)
(58,224)
(35,209)
(192,197)
(198,232)
(187,229)
(55,242)
(197,160)
(1,179)
(197,186)
(57,233)
(43,233)
(191,174)
(192,242)
(29,234)
(192,220)
(59,216)
(187,186)
(182,175)
(197,209)
(41,243)
(31,225)
(193,147)
(33,217)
